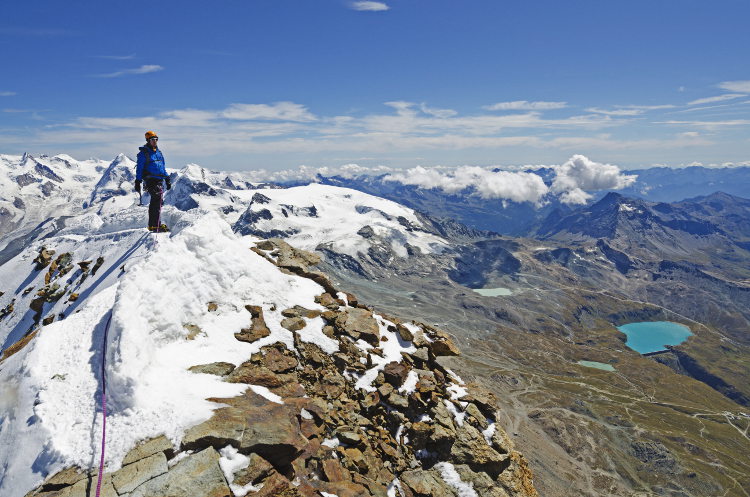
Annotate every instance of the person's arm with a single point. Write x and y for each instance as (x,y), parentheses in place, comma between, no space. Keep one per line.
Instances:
(140,162)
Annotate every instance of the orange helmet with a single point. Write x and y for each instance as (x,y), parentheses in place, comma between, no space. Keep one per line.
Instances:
(150,134)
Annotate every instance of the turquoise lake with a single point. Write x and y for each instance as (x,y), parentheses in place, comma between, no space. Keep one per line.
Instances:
(654,335)
(597,365)
(493,292)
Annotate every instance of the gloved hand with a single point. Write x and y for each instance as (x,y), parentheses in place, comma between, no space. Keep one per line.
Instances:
(169,184)
(138,186)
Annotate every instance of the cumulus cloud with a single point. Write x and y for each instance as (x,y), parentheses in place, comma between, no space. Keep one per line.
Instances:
(736,86)
(525,105)
(369,6)
(144,69)
(515,186)
(283,111)
(580,175)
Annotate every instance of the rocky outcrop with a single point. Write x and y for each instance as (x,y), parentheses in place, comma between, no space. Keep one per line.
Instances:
(377,417)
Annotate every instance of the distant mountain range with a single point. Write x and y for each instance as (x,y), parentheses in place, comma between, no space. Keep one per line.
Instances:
(506,217)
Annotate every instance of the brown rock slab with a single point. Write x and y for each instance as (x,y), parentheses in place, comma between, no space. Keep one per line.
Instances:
(359,323)
(214,368)
(257,469)
(277,486)
(129,477)
(426,483)
(396,372)
(255,374)
(293,324)
(258,328)
(198,475)
(278,361)
(148,448)
(251,424)
(471,448)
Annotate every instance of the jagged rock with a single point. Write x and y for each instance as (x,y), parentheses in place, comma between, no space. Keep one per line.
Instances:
(256,374)
(66,478)
(293,258)
(258,328)
(48,320)
(213,307)
(148,448)
(196,475)
(279,359)
(299,311)
(443,345)
(129,477)
(334,471)
(483,398)
(349,436)
(215,368)
(426,483)
(395,373)
(257,469)
(482,483)
(277,486)
(331,303)
(193,330)
(265,245)
(472,449)
(8,309)
(293,324)
(404,332)
(99,262)
(72,297)
(473,411)
(359,323)
(84,488)
(517,478)
(44,258)
(251,424)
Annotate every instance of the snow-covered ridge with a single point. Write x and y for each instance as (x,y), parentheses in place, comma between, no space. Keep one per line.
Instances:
(338,218)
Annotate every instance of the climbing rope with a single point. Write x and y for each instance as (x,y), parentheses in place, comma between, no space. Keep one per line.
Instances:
(104,404)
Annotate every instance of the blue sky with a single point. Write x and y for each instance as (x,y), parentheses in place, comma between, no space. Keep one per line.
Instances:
(249,84)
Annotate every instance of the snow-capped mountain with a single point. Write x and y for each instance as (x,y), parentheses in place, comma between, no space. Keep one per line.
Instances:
(231,367)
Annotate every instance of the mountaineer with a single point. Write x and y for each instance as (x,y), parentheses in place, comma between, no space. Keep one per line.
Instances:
(150,168)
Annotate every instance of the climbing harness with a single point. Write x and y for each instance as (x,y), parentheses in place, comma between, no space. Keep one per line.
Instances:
(104,404)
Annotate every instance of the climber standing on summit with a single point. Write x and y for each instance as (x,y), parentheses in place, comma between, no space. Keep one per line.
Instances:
(150,168)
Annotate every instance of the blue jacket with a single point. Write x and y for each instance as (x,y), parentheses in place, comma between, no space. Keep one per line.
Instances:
(150,163)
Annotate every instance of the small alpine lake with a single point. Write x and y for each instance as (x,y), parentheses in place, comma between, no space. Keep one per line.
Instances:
(493,292)
(597,365)
(653,336)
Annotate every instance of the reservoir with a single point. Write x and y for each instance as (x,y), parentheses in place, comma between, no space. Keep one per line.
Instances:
(597,365)
(493,292)
(654,335)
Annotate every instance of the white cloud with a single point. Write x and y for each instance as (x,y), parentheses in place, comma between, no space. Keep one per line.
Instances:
(580,174)
(369,6)
(116,57)
(442,113)
(7,93)
(525,105)
(283,111)
(144,69)
(718,98)
(616,112)
(736,86)
(515,186)
(709,124)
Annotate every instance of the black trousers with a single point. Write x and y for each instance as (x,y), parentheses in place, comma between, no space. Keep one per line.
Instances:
(155,188)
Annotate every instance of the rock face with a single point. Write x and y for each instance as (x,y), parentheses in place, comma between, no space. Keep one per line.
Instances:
(379,417)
